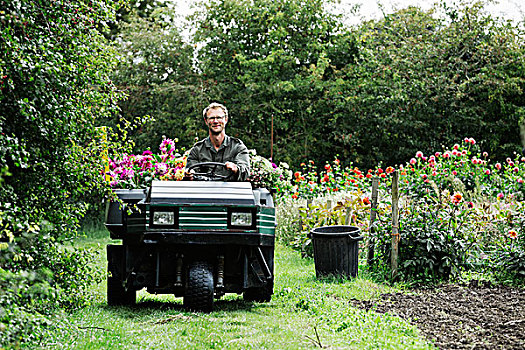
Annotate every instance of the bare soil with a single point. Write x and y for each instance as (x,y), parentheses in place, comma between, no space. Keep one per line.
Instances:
(474,316)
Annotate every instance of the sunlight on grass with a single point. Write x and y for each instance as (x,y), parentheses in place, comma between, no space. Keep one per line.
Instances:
(304,313)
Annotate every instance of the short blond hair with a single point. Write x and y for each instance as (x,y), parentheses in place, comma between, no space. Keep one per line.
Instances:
(213,106)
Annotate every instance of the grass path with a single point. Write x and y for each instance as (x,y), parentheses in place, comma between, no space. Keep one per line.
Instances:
(304,313)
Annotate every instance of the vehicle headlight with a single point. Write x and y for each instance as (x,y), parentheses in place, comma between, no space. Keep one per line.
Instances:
(163,218)
(242,218)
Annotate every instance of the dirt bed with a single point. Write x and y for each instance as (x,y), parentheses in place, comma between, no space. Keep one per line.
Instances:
(477,316)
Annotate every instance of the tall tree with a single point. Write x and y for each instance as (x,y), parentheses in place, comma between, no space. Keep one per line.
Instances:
(156,72)
(269,59)
(424,80)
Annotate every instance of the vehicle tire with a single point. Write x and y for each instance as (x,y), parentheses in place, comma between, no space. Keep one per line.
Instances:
(199,287)
(117,295)
(259,294)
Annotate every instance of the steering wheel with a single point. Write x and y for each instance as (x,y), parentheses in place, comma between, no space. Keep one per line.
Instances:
(207,171)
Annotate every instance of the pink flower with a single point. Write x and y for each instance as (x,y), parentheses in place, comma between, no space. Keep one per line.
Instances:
(498,166)
(413,161)
(508,160)
(500,195)
(485,154)
(520,180)
(472,141)
(456,147)
(454,172)
(419,154)
(466,140)
(487,171)
(161,168)
(437,154)
(516,169)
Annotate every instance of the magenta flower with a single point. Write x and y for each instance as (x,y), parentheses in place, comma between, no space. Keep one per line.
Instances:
(167,146)
(500,195)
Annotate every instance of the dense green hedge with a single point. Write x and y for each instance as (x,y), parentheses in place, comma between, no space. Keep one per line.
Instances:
(55,90)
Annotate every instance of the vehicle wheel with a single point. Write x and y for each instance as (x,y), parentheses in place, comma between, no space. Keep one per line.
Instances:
(117,295)
(259,294)
(199,287)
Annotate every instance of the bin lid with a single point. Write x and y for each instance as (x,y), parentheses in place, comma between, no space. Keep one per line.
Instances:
(337,231)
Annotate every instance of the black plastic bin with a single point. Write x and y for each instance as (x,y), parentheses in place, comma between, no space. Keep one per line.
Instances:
(336,250)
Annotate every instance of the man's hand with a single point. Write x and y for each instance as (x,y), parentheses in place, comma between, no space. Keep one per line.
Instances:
(232,166)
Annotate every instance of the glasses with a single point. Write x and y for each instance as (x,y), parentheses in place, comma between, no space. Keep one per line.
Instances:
(216,118)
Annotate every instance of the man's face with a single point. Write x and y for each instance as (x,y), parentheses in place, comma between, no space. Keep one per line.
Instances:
(216,120)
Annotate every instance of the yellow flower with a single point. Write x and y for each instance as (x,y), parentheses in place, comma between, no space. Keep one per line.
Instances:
(179,174)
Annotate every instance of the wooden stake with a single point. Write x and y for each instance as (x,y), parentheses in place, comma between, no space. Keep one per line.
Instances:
(348,216)
(373,214)
(395,224)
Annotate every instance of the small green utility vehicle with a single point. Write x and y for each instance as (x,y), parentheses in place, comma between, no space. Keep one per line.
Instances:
(194,239)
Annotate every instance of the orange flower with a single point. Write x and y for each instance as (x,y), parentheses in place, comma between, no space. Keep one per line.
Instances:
(366,201)
(457,197)
(513,234)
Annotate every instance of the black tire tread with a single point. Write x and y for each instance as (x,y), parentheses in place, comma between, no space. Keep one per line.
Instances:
(199,287)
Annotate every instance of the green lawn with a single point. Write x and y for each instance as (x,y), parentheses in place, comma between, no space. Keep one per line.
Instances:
(304,313)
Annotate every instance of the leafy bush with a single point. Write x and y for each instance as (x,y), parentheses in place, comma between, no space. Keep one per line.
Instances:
(55,92)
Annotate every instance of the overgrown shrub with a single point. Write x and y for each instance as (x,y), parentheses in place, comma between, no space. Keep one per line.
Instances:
(55,92)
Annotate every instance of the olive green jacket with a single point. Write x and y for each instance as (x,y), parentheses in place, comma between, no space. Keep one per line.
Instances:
(232,150)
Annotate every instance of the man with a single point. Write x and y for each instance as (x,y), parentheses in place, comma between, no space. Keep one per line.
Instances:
(219,147)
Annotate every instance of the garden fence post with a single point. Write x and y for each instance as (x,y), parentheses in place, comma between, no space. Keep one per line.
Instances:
(373,214)
(395,224)
(307,210)
(348,216)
